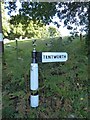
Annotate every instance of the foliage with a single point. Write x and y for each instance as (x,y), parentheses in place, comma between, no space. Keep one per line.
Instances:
(32,30)
(6,24)
(74,13)
(53,32)
(35,11)
(71,12)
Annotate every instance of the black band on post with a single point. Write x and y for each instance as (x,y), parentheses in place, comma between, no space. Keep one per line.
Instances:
(34,56)
(34,92)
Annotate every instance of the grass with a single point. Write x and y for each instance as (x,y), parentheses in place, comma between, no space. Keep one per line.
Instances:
(62,86)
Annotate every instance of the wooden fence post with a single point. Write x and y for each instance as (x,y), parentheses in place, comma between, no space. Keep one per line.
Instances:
(81,37)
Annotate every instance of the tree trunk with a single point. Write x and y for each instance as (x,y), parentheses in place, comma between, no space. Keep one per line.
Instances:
(89,27)
(1,35)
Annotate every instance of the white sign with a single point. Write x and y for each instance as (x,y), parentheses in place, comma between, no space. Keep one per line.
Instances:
(54,57)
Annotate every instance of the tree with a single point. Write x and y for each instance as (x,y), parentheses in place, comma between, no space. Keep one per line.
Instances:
(17,30)
(6,24)
(76,13)
(46,11)
(53,32)
(35,11)
(33,30)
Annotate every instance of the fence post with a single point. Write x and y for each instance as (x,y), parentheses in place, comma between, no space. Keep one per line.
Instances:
(34,98)
(81,37)
(17,49)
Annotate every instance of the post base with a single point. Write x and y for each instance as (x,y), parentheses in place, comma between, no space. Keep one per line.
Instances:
(34,100)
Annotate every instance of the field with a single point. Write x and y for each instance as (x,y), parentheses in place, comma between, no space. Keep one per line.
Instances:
(62,86)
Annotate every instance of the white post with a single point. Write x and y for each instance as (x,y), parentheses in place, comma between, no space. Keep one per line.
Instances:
(34,98)
(1,35)
(34,76)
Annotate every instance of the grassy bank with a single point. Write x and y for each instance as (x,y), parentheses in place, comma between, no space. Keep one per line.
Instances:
(62,86)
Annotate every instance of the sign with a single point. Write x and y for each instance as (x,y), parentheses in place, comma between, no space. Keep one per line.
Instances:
(54,57)
(43,57)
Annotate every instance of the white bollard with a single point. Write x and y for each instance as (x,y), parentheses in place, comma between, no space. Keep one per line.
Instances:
(34,76)
(34,100)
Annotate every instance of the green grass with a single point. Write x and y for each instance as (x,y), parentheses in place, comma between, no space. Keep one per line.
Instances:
(62,86)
